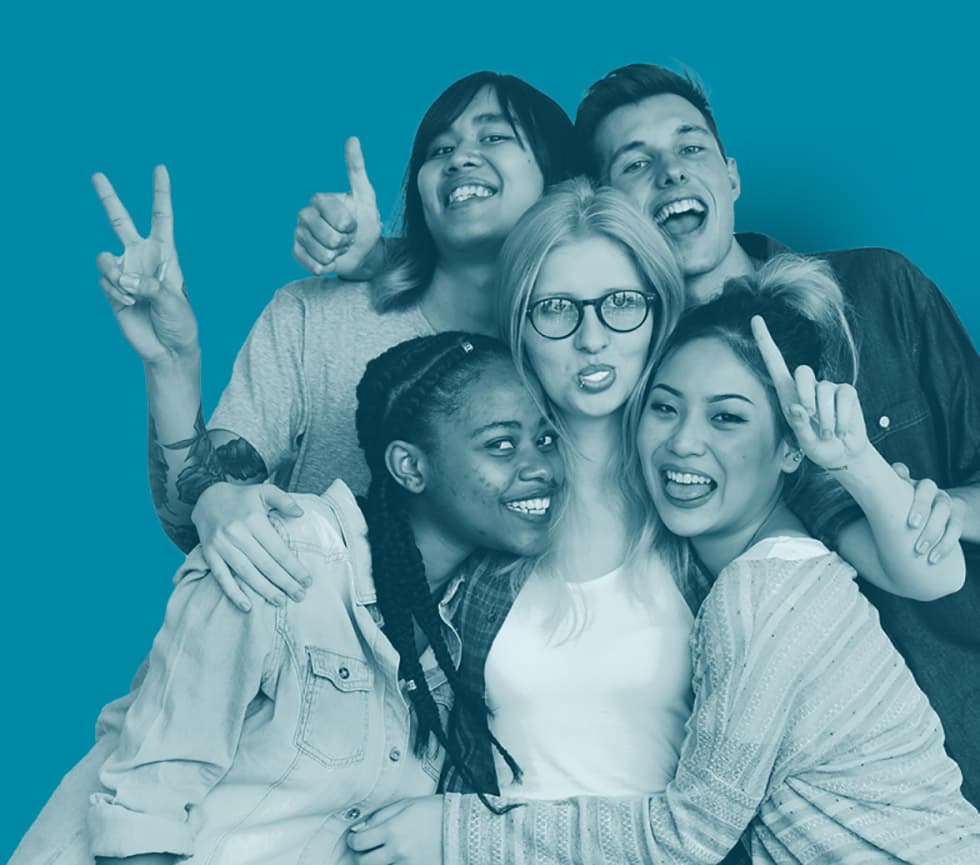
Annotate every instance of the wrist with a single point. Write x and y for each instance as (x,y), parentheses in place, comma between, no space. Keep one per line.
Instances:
(862,474)
(175,363)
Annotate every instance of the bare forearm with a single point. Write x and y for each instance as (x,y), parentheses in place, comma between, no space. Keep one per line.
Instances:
(882,547)
(184,457)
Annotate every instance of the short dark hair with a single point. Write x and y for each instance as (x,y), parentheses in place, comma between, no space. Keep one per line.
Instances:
(629,85)
(549,135)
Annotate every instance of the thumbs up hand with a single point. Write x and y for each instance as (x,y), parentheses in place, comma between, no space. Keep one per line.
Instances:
(337,232)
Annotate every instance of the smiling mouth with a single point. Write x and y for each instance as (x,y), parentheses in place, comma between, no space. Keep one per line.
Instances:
(469,192)
(687,487)
(534,509)
(681,217)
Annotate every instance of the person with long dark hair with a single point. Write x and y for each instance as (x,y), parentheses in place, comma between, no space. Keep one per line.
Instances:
(262,736)
(483,153)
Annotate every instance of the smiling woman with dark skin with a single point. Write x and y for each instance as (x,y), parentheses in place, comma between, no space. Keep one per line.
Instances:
(259,737)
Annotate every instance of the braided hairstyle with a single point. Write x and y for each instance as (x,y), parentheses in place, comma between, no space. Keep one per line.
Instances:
(402,390)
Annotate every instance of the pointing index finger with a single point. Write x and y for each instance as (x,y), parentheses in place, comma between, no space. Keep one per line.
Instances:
(162,224)
(360,186)
(772,357)
(119,217)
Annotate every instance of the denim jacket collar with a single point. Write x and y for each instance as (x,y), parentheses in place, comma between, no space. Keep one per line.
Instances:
(342,501)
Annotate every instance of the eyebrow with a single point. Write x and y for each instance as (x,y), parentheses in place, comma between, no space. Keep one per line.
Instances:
(683,129)
(506,424)
(491,117)
(721,397)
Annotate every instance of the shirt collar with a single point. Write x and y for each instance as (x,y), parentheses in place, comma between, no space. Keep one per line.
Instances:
(760,247)
(354,530)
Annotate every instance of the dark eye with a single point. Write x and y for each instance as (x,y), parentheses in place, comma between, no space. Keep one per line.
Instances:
(440,150)
(500,446)
(548,441)
(691,149)
(636,165)
(726,417)
(494,137)
(662,408)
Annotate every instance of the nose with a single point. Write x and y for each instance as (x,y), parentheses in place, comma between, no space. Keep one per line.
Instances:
(592,335)
(466,155)
(686,438)
(671,172)
(539,467)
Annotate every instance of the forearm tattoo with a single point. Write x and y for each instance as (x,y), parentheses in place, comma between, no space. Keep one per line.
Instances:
(204,465)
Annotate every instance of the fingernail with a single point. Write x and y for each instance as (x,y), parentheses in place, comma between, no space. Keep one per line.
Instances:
(933,557)
(244,606)
(921,547)
(299,595)
(279,600)
(317,270)
(306,582)
(916,521)
(356,827)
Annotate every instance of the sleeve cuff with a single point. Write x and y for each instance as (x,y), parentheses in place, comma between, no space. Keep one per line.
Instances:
(118,832)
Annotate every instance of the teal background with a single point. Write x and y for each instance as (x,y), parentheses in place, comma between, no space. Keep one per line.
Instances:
(852,125)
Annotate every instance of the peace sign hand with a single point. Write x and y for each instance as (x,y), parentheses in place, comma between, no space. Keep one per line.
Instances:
(825,417)
(145,285)
(337,232)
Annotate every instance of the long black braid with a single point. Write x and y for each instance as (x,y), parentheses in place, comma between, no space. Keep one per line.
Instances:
(399,394)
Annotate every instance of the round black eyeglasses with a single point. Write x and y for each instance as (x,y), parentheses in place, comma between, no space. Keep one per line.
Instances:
(620,310)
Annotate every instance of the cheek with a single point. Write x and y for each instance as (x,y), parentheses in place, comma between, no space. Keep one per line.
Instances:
(634,347)
(532,180)
(426,183)
(545,356)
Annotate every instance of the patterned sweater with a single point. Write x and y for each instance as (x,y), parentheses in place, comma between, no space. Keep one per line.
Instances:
(807,728)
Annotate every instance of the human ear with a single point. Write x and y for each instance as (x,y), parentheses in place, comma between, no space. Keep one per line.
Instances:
(406,464)
(733,177)
(792,457)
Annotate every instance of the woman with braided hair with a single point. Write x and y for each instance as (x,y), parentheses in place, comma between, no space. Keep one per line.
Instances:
(261,737)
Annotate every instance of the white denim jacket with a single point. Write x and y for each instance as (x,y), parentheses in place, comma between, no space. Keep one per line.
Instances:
(261,737)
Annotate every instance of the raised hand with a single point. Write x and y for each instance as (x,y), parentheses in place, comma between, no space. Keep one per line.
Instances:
(825,417)
(338,231)
(145,285)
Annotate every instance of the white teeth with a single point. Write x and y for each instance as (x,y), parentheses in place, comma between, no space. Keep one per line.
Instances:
(686,477)
(539,507)
(674,208)
(470,190)
(597,376)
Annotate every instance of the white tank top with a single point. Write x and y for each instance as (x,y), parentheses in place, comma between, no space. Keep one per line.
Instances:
(600,712)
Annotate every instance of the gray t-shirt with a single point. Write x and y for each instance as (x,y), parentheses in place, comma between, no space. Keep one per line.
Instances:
(292,394)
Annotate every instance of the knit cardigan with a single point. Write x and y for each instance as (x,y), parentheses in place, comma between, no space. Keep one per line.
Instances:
(807,728)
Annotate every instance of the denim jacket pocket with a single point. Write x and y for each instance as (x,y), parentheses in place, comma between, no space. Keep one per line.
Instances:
(333,724)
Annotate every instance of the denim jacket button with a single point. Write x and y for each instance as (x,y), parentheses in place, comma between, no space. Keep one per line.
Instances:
(352,813)
(394,755)
(884,421)
(344,673)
